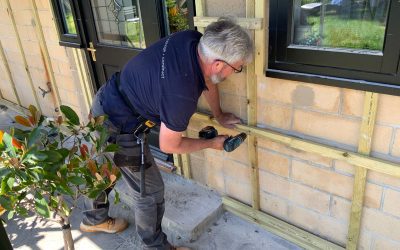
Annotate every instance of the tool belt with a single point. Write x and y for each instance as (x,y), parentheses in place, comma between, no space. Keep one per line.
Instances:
(128,154)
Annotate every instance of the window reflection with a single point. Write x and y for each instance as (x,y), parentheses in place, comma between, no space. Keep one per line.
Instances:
(67,17)
(354,24)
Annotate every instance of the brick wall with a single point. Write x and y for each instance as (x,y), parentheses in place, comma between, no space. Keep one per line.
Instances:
(307,190)
(62,59)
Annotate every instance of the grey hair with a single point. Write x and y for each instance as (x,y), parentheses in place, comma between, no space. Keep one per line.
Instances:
(226,40)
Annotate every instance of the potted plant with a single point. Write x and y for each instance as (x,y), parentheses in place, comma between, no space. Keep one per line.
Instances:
(47,166)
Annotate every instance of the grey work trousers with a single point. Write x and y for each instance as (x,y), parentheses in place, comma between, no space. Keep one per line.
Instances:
(149,210)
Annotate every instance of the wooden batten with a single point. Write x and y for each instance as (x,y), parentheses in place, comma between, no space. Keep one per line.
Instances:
(200,9)
(289,232)
(9,75)
(356,159)
(178,163)
(46,55)
(21,49)
(251,85)
(247,23)
(360,177)
(187,172)
(260,38)
(87,95)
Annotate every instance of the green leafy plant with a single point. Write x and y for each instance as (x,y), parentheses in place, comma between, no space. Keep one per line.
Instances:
(47,166)
(177,16)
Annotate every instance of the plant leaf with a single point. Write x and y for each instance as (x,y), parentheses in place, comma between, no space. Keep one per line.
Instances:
(5,202)
(39,156)
(64,189)
(21,211)
(22,120)
(32,110)
(16,143)
(41,206)
(10,215)
(113,178)
(103,137)
(94,193)
(70,114)
(98,177)
(33,137)
(92,167)
(99,120)
(7,139)
(53,156)
(10,182)
(116,200)
(4,186)
(111,148)
(77,180)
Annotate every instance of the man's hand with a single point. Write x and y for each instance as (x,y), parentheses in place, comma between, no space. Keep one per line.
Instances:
(218,142)
(172,142)
(228,120)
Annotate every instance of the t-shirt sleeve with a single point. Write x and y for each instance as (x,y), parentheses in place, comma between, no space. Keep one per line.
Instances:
(176,111)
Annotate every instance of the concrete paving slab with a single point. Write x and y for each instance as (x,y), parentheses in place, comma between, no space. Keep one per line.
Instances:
(189,208)
(233,233)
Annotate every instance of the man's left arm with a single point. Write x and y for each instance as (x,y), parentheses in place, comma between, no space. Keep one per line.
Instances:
(227,120)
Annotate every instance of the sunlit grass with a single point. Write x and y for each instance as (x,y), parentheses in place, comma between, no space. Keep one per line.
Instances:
(344,33)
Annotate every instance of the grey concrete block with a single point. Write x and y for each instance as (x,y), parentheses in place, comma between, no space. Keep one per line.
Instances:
(189,207)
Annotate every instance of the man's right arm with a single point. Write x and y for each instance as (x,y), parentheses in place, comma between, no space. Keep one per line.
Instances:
(173,142)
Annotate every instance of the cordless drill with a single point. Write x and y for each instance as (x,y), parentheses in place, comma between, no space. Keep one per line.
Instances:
(230,144)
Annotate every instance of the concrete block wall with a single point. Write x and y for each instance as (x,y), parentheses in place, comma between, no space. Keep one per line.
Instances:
(304,189)
(62,59)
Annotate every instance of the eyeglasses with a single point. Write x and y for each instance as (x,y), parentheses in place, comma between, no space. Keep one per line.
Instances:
(234,69)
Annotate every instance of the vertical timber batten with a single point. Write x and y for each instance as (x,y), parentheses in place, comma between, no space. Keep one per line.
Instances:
(200,8)
(186,163)
(184,159)
(260,38)
(360,177)
(8,71)
(83,83)
(45,51)
(26,66)
(251,86)
(178,163)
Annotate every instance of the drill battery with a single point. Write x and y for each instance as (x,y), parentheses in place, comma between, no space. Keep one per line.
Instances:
(208,132)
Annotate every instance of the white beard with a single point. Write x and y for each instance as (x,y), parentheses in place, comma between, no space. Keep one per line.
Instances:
(216,78)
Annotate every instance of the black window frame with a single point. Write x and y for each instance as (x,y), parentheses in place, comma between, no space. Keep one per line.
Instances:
(376,72)
(67,39)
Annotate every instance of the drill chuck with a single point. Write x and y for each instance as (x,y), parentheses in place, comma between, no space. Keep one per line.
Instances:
(230,144)
(233,142)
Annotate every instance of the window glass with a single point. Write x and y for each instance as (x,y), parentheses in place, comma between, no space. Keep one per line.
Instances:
(340,23)
(67,17)
(119,22)
(178,15)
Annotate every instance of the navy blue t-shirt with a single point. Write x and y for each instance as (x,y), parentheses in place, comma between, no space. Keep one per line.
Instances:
(163,83)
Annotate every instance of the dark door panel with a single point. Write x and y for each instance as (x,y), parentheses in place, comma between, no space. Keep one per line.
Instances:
(118,30)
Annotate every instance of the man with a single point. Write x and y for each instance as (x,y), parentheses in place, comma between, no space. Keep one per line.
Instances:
(163,84)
